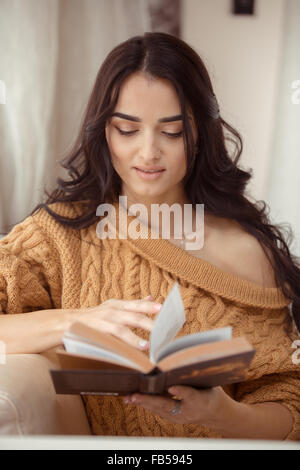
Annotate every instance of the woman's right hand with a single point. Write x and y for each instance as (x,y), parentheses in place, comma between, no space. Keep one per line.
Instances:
(113,316)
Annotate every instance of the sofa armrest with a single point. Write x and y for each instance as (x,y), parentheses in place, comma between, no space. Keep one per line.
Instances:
(28,402)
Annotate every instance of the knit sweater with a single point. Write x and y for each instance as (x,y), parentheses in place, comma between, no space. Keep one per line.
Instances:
(44,265)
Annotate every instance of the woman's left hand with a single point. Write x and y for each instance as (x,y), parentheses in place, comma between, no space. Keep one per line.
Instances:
(209,407)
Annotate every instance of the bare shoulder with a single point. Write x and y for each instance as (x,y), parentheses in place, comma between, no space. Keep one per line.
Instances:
(250,259)
(245,256)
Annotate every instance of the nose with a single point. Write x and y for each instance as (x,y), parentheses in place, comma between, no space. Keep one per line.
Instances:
(150,151)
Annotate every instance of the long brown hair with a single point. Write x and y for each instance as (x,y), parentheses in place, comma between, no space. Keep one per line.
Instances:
(213,176)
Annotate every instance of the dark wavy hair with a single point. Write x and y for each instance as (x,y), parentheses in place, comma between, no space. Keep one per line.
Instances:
(213,177)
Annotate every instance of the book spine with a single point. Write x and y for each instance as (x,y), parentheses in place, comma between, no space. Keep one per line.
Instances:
(152,383)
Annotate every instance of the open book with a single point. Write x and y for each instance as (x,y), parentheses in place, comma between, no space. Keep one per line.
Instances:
(93,362)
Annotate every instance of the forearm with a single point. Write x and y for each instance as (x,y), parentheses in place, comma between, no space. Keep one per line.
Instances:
(268,421)
(34,332)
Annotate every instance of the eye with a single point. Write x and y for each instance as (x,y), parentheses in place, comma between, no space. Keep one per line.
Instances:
(178,134)
(125,132)
(169,134)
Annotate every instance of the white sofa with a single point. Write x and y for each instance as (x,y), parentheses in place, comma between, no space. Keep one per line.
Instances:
(30,411)
(28,402)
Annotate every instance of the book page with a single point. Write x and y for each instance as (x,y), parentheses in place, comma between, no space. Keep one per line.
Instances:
(195,339)
(238,348)
(84,334)
(75,346)
(169,321)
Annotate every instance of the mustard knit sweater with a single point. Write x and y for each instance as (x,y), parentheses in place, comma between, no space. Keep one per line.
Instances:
(45,265)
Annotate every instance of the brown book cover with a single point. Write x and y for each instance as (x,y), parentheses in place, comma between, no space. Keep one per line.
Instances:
(93,362)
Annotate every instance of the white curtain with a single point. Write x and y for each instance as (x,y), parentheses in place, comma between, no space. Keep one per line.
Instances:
(50,52)
(284,173)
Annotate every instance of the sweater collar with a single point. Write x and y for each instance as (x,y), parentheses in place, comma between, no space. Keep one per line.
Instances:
(195,270)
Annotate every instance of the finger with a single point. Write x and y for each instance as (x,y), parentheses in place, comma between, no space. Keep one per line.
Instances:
(124,333)
(182,392)
(157,404)
(137,320)
(142,306)
(189,394)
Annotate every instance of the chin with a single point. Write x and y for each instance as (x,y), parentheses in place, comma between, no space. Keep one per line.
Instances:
(148,192)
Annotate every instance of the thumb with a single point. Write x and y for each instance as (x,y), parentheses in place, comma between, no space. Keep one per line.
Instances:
(181,391)
(149,297)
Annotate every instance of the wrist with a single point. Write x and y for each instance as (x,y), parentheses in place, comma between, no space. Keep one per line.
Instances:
(267,420)
(66,317)
(71,316)
(226,413)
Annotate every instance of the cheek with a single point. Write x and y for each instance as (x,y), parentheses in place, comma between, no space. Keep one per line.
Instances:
(114,145)
(119,154)
(122,163)
(179,166)
(119,160)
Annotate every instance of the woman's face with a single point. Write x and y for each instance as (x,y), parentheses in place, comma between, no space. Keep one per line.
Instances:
(151,142)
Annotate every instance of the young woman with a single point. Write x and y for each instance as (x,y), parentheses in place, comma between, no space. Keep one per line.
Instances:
(153,108)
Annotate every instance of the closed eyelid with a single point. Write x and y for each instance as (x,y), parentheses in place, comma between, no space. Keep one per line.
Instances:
(135,130)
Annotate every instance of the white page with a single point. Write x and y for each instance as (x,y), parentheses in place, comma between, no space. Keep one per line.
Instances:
(75,346)
(211,336)
(169,321)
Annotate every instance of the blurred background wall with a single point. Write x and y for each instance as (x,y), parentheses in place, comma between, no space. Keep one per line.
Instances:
(242,53)
(51,50)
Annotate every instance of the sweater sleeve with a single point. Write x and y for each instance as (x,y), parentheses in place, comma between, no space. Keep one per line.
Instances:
(30,274)
(283,388)
(274,375)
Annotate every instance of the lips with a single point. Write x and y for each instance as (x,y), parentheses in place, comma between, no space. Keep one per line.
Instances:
(153,168)
(149,175)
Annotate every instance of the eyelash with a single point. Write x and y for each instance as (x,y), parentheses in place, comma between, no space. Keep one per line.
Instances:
(178,134)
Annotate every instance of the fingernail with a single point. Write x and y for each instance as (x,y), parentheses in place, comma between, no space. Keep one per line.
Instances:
(143,343)
(136,399)
(157,306)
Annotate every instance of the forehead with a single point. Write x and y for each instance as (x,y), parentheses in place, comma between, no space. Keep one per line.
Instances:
(141,95)
(141,91)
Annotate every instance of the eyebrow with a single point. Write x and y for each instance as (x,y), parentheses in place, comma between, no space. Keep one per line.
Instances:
(178,117)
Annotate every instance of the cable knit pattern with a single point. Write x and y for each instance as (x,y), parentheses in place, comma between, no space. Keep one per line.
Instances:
(45,265)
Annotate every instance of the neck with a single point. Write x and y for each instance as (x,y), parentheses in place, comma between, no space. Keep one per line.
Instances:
(174,224)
